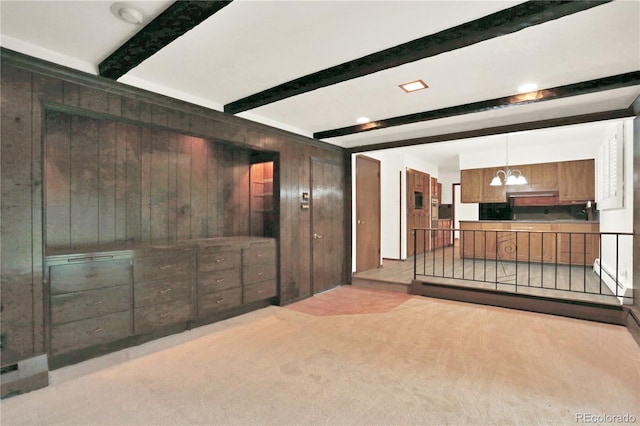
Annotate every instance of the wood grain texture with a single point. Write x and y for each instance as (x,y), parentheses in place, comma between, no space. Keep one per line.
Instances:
(16,211)
(39,103)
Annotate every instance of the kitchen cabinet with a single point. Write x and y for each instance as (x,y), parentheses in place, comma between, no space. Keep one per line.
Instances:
(536,242)
(471,185)
(578,244)
(542,176)
(576,180)
(441,237)
(492,194)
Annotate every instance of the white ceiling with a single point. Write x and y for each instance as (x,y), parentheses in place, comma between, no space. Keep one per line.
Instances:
(250,46)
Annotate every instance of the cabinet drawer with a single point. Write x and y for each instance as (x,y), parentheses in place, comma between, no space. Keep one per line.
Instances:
(256,273)
(84,276)
(81,305)
(219,301)
(209,282)
(151,317)
(161,291)
(154,268)
(216,261)
(90,332)
(260,291)
(259,254)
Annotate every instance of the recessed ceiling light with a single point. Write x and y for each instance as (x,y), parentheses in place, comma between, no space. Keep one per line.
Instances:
(127,13)
(362,120)
(528,87)
(413,86)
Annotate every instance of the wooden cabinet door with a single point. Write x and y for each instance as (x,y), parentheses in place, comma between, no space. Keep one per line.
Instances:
(543,176)
(471,184)
(492,194)
(576,180)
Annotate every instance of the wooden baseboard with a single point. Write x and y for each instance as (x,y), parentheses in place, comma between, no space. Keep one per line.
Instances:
(591,311)
(24,376)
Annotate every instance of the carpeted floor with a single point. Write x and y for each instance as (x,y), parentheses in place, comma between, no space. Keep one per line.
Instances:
(407,360)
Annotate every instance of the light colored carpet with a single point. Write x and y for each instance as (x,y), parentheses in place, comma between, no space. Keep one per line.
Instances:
(425,361)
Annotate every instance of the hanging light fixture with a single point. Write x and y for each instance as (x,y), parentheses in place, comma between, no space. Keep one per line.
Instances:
(509,177)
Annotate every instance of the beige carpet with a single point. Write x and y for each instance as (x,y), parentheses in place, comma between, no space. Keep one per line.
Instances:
(424,362)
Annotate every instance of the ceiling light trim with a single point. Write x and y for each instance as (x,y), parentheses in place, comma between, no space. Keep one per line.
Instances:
(413,86)
(176,20)
(576,89)
(497,24)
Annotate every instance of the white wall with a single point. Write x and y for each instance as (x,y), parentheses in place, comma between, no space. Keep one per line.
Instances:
(540,146)
(621,220)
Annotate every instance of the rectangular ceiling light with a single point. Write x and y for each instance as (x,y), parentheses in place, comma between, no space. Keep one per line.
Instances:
(413,86)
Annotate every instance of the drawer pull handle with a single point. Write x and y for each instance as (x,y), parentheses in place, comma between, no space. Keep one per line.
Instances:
(260,291)
(219,280)
(166,267)
(166,290)
(259,273)
(166,314)
(97,330)
(259,254)
(97,302)
(95,274)
(220,260)
(220,301)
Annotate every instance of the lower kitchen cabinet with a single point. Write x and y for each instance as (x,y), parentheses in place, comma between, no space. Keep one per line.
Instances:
(537,242)
(100,301)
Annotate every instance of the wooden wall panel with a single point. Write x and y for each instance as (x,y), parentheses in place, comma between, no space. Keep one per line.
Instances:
(133,182)
(109,181)
(84,181)
(16,252)
(57,171)
(115,184)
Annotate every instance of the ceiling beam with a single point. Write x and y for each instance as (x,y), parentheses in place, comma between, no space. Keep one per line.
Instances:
(176,20)
(583,88)
(499,130)
(495,25)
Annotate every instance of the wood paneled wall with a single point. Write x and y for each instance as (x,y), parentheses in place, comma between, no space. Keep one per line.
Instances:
(107,181)
(36,93)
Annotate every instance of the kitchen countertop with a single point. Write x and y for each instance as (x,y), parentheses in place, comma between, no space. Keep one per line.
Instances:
(533,221)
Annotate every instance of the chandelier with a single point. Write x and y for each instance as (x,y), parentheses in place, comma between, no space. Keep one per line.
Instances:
(509,177)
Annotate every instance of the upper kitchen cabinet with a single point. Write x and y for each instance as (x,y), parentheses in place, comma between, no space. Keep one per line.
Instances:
(471,184)
(576,180)
(492,194)
(542,176)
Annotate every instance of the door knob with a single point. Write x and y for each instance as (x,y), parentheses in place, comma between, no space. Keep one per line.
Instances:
(317,236)
(360,222)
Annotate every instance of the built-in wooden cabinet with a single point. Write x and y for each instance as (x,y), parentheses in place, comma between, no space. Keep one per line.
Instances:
(163,283)
(441,237)
(90,298)
(100,301)
(576,180)
(542,176)
(563,243)
(492,194)
(472,185)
